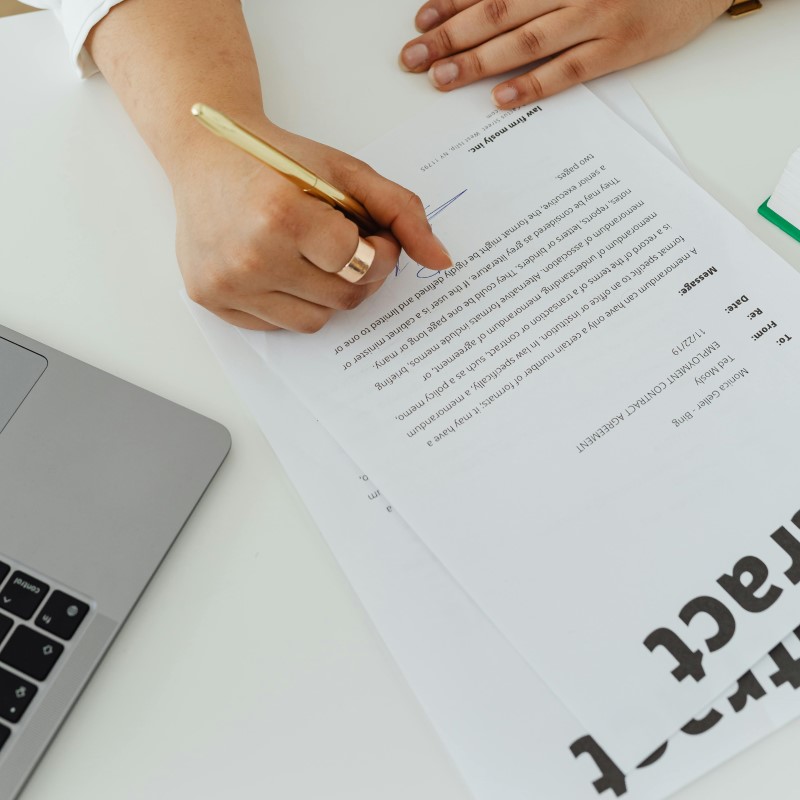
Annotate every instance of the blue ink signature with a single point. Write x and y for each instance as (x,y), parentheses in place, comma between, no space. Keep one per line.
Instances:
(424,272)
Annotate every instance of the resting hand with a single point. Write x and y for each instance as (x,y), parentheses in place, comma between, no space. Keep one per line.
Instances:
(466,40)
(260,253)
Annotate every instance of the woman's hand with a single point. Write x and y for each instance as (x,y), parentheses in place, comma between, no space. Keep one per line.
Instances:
(260,253)
(252,247)
(466,40)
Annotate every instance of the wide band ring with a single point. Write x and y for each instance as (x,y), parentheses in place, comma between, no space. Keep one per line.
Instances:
(358,266)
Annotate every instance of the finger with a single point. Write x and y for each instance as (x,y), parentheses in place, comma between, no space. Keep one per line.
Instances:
(530,42)
(326,237)
(287,312)
(387,251)
(398,210)
(262,274)
(478,24)
(319,242)
(409,224)
(437,11)
(243,320)
(324,240)
(308,282)
(576,65)
(328,240)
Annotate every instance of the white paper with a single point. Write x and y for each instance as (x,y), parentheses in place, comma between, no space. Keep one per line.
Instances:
(576,545)
(514,745)
(508,734)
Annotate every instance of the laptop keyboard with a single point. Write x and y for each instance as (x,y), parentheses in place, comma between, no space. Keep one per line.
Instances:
(37,623)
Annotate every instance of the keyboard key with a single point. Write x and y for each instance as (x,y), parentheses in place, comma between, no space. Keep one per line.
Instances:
(22,595)
(62,615)
(15,695)
(6,624)
(4,734)
(4,570)
(31,653)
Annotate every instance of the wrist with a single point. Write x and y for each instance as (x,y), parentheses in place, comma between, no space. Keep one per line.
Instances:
(195,148)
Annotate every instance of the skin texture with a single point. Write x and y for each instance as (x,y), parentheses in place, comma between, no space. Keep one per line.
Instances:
(252,247)
(466,40)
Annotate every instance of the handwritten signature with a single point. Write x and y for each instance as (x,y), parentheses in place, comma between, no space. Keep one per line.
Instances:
(423,272)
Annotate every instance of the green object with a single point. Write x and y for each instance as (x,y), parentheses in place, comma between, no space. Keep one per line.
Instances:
(777,219)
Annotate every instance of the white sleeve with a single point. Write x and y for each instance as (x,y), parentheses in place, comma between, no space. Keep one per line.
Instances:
(78,17)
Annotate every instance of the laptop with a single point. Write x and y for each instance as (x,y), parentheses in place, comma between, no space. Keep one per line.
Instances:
(97,478)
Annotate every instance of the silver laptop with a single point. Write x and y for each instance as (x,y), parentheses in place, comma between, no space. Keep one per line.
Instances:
(97,477)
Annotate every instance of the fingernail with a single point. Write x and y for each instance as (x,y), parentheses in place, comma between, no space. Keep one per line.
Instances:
(505,94)
(442,74)
(427,18)
(415,56)
(444,249)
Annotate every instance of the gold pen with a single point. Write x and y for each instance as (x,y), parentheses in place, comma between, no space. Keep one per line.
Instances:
(299,175)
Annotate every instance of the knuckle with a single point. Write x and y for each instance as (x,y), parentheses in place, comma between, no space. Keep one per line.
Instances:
(574,70)
(241,319)
(354,176)
(197,293)
(352,297)
(606,7)
(635,29)
(619,18)
(474,63)
(277,219)
(208,287)
(532,88)
(497,12)
(349,169)
(529,42)
(344,231)
(247,264)
(263,325)
(443,39)
(312,323)
(414,204)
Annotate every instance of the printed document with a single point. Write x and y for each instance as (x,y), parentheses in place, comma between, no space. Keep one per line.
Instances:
(509,735)
(589,418)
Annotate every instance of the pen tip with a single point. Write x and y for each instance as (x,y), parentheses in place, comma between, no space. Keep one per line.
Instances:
(197,109)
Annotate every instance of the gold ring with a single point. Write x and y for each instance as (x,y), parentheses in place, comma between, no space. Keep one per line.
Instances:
(358,266)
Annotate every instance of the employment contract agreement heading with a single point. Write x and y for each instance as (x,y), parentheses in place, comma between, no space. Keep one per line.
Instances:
(591,418)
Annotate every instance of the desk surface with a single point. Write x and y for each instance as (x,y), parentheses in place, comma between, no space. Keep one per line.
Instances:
(249,668)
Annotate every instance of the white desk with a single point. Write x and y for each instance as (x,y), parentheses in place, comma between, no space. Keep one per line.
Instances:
(249,668)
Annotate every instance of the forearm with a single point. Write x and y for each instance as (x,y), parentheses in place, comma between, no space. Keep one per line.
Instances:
(252,246)
(161,57)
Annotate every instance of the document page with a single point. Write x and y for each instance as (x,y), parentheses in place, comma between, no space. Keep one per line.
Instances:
(508,734)
(589,418)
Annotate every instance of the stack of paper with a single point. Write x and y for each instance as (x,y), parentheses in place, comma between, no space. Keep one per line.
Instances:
(560,475)
(783,207)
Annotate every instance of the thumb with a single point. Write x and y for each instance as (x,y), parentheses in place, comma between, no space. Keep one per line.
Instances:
(411,228)
(400,211)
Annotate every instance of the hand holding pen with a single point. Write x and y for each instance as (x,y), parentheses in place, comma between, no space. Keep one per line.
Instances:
(263,253)
(252,247)
(302,177)
(259,251)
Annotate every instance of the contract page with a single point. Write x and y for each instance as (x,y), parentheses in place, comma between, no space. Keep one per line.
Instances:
(589,418)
